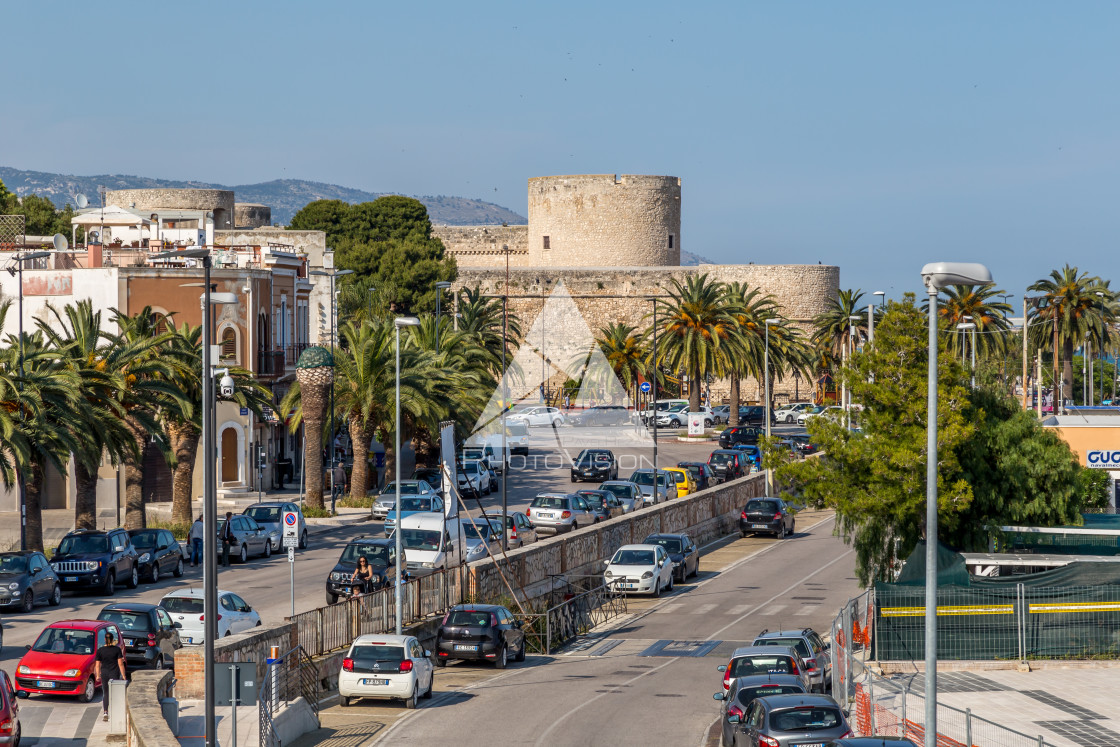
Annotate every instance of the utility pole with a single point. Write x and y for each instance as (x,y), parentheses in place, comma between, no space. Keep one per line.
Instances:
(1058,383)
(1026,394)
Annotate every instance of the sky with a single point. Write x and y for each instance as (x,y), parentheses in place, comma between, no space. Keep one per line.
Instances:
(876,136)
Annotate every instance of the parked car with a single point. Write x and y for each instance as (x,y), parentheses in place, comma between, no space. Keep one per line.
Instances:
(479,476)
(604,504)
(10,728)
(160,553)
(752,453)
(520,530)
(386,667)
(644,569)
(413,504)
(560,512)
(26,579)
(666,486)
(871,742)
(788,413)
(538,416)
(661,406)
(431,475)
(600,415)
(677,416)
(517,438)
(186,608)
(430,543)
(683,553)
(740,434)
(60,662)
(148,635)
(94,559)
(767,515)
(751,660)
(787,720)
(744,690)
(388,497)
(271,516)
(249,538)
(480,632)
(683,480)
(747,414)
(482,538)
(483,454)
(701,474)
(595,464)
(804,444)
(379,553)
(728,464)
(627,493)
(816,657)
(834,412)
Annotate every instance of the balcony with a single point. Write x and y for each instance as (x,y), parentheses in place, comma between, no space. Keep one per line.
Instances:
(270,362)
(294,350)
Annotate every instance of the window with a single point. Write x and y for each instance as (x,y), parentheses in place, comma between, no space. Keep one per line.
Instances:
(158,322)
(229,344)
(547,246)
(670,241)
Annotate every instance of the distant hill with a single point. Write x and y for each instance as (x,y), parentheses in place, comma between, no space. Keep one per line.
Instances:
(688,259)
(284,196)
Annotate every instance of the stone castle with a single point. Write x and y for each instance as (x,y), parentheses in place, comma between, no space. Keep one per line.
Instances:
(615,242)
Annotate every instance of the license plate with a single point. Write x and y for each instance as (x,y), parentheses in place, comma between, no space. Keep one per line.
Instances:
(129,641)
(385,682)
(188,640)
(45,684)
(547,516)
(629,586)
(809,744)
(70,579)
(466,648)
(758,526)
(345,589)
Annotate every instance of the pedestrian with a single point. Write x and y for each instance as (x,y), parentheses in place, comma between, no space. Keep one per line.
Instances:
(338,480)
(567,401)
(227,538)
(108,664)
(195,537)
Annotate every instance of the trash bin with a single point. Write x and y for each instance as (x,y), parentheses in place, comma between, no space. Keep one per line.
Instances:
(170,708)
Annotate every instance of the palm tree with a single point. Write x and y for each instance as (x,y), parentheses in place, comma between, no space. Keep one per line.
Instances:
(751,309)
(481,316)
(976,302)
(14,399)
(1069,312)
(835,329)
(698,334)
(622,347)
(308,400)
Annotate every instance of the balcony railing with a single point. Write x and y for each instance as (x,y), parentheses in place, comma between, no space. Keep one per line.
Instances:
(294,350)
(270,362)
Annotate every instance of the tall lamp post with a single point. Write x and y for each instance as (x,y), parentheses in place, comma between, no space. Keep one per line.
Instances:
(871,315)
(936,276)
(766,376)
(441,286)
(334,303)
(847,396)
(19,259)
(965,327)
(400,321)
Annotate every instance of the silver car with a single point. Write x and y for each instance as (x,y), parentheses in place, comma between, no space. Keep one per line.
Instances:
(482,538)
(271,517)
(249,538)
(388,498)
(666,485)
(560,512)
(628,494)
(788,720)
(520,530)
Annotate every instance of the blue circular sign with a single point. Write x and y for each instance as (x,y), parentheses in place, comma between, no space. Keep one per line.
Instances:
(290,519)
(645,387)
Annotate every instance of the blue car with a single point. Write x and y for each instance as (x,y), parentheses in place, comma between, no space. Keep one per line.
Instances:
(413,505)
(753,453)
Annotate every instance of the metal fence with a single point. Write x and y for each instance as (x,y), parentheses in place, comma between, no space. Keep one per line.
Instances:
(574,616)
(290,677)
(326,629)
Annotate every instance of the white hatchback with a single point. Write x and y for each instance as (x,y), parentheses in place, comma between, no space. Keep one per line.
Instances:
(186,609)
(387,667)
(644,569)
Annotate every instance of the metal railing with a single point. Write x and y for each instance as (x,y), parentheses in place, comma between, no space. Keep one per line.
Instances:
(270,362)
(290,677)
(561,622)
(294,350)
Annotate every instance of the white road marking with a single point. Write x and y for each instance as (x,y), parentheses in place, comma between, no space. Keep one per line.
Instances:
(703,609)
(774,609)
(669,608)
(808,609)
(738,609)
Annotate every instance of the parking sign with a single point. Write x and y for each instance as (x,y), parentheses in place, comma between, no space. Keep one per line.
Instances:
(291,529)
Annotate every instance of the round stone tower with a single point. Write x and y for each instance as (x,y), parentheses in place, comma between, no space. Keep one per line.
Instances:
(251,215)
(604,220)
(218,201)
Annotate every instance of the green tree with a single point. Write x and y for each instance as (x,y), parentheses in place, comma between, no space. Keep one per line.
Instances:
(750,310)
(623,350)
(329,216)
(964,303)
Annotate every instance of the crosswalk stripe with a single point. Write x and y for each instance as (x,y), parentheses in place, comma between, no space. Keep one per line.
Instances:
(739,609)
(808,609)
(668,608)
(774,609)
(703,609)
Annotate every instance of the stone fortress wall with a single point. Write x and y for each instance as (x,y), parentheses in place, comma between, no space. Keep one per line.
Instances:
(482,246)
(251,215)
(219,201)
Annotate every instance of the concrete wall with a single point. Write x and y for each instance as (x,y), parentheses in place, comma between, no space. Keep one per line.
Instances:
(146,724)
(604,219)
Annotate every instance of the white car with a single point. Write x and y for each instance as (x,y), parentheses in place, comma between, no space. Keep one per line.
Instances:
(186,607)
(789,413)
(677,417)
(536,416)
(644,569)
(835,412)
(386,667)
(478,476)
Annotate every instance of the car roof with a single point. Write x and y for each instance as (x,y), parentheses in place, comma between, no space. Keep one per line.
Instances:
(19,552)
(391,640)
(756,680)
(761,651)
(81,532)
(130,607)
(639,546)
(372,541)
(726,451)
(552,494)
(80,624)
(477,607)
(270,504)
(674,535)
(191,593)
(616,482)
(423,521)
(790,700)
(783,633)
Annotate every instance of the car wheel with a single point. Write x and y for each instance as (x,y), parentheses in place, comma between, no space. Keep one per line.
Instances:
(134,578)
(520,652)
(670,582)
(243,556)
(28,604)
(500,662)
(110,584)
(303,541)
(268,550)
(743,533)
(56,596)
(178,568)
(153,574)
(573,478)
(344,701)
(782,532)
(87,694)
(441,662)
(159,663)
(657,588)
(331,598)
(793,527)
(575,525)
(707,423)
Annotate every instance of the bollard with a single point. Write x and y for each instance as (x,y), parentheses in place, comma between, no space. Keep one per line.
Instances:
(272,666)
(118,719)
(968,726)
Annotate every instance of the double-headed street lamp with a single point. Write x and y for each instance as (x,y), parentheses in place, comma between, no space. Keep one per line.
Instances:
(936,276)
(334,303)
(965,326)
(400,321)
(871,315)
(766,376)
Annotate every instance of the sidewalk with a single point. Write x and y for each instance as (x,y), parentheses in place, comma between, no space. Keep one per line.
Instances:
(192,724)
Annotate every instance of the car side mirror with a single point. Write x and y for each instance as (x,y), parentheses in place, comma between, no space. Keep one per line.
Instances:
(36,571)
(721,668)
(427,654)
(733,718)
(23,694)
(177,625)
(118,548)
(718,696)
(161,547)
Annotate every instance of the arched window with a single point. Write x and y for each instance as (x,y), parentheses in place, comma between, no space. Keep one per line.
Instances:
(158,322)
(229,345)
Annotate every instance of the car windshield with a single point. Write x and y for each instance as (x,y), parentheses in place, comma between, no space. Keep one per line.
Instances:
(126,621)
(420,539)
(478,530)
(589,457)
(680,477)
(549,501)
(767,507)
(416,504)
(747,695)
(262,514)
(472,454)
(376,652)
(720,459)
(78,545)
(806,719)
(473,618)
(595,500)
(646,478)
(670,544)
(633,557)
(145,540)
(693,470)
(64,641)
(622,491)
(471,468)
(745,666)
(407,488)
(182,605)
(13,564)
(376,555)
(797,644)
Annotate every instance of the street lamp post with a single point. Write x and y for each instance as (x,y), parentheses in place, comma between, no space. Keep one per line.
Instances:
(936,276)
(441,286)
(400,321)
(766,376)
(965,327)
(330,441)
(846,395)
(653,403)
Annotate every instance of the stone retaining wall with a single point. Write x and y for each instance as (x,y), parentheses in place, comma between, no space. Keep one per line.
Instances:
(146,725)
(253,645)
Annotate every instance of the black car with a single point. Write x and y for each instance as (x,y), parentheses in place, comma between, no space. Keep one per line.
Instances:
(603,503)
(480,632)
(766,516)
(379,553)
(26,579)
(94,559)
(601,415)
(160,553)
(804,445)
(682,551)
(701,474)
(149,636)
(728,464)
(595,464)
(740,434)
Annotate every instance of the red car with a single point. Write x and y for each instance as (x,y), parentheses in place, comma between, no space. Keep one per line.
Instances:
(61,660)
(9,711)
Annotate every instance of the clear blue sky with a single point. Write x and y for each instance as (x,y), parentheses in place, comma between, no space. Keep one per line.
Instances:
(872,135)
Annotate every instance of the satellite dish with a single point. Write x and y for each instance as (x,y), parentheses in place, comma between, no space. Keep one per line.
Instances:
(60,243)
(82,200)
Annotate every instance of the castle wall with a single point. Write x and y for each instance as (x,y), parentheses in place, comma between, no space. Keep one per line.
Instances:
(219,201)
(481,246)
(251,215)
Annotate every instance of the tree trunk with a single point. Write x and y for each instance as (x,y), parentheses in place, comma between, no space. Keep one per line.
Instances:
(1067,369)
(134,515)
(313,459)
(184,444)
(33,506)
(733,413)
(359,472)
(694,383)
(85,501)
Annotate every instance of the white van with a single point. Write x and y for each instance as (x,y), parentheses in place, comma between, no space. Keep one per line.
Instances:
(430,542)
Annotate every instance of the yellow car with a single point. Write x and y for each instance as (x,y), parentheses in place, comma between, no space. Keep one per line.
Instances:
(685,483)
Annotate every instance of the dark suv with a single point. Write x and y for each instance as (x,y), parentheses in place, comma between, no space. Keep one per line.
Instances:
(740,434)
(766,516)
(480,632)
(149,636)
(379,553)
(92,559)
(595,464)
(728,464)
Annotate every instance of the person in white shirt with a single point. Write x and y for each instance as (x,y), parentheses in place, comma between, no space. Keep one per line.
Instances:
(195,539)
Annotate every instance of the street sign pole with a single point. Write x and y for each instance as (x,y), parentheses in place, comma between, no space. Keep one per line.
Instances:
(292,573)
(290,525)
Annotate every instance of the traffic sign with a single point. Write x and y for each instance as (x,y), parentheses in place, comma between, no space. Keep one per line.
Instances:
(645,387)
(291,530)
(291,554)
